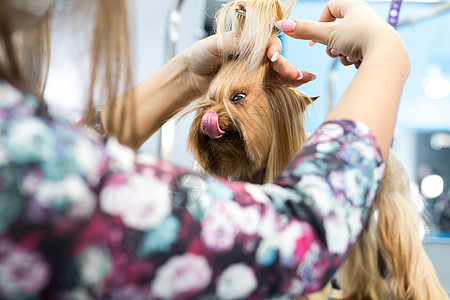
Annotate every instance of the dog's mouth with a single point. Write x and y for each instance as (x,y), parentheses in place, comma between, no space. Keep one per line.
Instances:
(219,131)
(230,135)
(225,152)
(210,125)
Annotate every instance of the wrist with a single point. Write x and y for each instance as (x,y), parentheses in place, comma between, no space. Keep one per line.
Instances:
(195,79)
(390,52)
(182,78)
(189,78)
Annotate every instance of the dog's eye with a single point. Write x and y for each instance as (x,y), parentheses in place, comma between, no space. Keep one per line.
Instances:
(238,97)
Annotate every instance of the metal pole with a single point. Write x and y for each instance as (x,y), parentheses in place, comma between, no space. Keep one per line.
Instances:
(167,132)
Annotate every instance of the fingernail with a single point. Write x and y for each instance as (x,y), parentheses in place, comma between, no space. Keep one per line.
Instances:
(286,25)
(334,52)
(351,59)
(313,77)
(311,43)
(278,24)
(275,56)
(300,75)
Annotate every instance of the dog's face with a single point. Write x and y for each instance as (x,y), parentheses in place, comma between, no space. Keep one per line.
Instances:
(247,126)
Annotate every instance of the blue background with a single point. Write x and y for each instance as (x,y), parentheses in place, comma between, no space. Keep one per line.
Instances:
(428,43)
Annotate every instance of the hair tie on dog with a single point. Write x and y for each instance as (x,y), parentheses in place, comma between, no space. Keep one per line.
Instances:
(239,9)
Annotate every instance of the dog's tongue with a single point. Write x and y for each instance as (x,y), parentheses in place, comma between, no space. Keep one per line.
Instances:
(210,125)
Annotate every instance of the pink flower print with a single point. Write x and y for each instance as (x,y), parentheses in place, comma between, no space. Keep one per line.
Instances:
(221,227)
(21,272)
(250,220)
(238,281)
(141,200)
(182,276)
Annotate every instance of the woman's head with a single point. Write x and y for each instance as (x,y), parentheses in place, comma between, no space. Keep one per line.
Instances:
(22,14)
(25,31)
(25,42)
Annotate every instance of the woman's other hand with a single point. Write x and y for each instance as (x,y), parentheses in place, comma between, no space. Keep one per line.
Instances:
(203,60)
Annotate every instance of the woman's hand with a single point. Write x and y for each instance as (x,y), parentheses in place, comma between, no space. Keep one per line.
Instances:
(203,60)
(358,30)
(374,94)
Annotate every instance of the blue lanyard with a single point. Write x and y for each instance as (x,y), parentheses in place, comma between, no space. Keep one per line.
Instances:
(394,12)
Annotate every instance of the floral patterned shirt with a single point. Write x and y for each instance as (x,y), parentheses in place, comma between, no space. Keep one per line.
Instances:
(82,217)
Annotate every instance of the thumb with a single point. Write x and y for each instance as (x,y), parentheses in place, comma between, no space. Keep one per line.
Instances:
(305,30)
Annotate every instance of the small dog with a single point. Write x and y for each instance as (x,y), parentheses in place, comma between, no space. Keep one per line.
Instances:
(248,127)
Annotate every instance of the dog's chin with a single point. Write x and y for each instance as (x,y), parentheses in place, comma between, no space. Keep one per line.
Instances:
(228,157)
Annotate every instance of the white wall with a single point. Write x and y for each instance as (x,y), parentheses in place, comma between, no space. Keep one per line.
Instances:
(151,34)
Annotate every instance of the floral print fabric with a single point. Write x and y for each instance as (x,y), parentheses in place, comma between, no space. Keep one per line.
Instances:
(82,217)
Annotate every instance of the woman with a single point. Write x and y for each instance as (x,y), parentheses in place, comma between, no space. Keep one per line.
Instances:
(84,217)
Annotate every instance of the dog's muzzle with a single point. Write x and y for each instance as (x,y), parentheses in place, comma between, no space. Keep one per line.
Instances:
(210,125)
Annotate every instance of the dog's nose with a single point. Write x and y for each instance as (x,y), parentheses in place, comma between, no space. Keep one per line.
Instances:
(210,125)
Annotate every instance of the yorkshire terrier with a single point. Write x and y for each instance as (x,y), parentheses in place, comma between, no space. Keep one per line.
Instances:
(248,127)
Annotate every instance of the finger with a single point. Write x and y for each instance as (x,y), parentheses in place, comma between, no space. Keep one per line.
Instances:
(274,49)
(351,59)
(335,10)
(344,61)
(285,69)
(327,15)
(331,52)
(289,74)
(307,77)
(305,30)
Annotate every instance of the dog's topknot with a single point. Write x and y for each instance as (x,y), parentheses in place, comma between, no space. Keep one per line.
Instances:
(253,24)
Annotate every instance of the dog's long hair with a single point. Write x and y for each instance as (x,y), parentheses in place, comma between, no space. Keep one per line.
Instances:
(248,127)
(405,271)
(255,146)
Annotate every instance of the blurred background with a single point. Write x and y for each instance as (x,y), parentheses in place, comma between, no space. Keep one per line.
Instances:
(422,136)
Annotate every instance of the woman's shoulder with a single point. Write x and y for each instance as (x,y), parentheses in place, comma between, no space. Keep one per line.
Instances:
(35,141)
(16,103)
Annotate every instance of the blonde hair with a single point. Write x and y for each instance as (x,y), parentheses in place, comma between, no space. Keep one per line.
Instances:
(394,237)
(25,56)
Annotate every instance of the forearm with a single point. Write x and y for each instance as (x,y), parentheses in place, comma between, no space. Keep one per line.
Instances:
(374,94)
(156,100)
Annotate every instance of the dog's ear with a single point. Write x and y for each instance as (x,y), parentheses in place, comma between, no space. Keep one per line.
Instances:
(286,107)
(292,94)
(286,102)
(305,98)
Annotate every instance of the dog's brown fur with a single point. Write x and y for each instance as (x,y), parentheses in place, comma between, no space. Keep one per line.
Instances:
(256,146)
(265,130)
